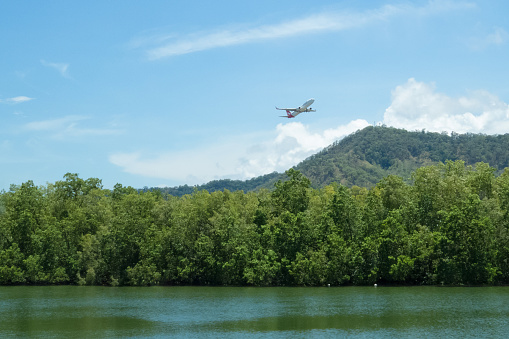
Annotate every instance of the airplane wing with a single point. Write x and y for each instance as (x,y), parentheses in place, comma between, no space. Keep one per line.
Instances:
(287,109)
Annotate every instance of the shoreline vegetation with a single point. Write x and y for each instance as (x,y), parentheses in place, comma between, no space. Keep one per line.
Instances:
(449,226)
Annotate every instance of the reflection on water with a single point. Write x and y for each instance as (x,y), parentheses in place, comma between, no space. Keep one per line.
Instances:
(70,311)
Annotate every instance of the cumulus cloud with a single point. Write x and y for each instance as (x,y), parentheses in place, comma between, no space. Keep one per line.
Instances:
(16,100)
(171,45)
(240,157)
(417,105)
(292,143)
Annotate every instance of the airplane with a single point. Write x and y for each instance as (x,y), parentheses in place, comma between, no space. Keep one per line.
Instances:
(293,112)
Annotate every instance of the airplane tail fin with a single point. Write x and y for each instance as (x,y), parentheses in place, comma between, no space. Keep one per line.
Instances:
(288,115)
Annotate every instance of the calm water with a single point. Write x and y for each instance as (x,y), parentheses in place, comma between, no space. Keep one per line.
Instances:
(77,312)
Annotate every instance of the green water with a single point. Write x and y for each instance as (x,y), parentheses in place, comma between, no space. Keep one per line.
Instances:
(364,312)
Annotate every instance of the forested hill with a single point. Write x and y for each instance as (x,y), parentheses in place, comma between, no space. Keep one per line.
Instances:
(267,180)
(368,155)
(365,157)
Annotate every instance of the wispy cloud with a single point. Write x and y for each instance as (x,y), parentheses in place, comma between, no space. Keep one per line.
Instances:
(68,127)
(16,100)
(163,46)
(240,157)
(62,68)
(54,124)
(417,105)
(497,37)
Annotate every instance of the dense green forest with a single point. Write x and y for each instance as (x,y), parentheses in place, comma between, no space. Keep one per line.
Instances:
(448,226)
(367,156)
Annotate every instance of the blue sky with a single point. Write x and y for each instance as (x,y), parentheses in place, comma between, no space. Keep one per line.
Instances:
(164,93)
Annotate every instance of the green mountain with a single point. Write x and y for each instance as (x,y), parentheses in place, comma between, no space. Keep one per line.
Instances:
(365,157)
(368,155)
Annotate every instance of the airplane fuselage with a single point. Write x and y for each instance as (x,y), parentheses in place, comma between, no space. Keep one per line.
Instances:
(304,107)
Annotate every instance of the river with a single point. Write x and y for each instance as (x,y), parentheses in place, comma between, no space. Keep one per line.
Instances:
(232,312)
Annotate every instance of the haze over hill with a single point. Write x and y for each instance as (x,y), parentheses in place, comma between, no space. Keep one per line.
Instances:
(368,155)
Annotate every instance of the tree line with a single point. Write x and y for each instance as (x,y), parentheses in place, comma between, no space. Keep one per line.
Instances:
(448,226)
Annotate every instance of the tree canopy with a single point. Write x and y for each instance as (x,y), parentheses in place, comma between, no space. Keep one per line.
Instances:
(449,225)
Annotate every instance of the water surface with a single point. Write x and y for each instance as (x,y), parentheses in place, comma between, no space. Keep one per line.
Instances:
(132,312)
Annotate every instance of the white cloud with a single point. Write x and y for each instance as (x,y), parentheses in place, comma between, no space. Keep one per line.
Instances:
(293,143)
(68,126)
(322,22)
(62,68)
(498,37)
(54,124)
(416,106)
(241,157)
(16,100)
